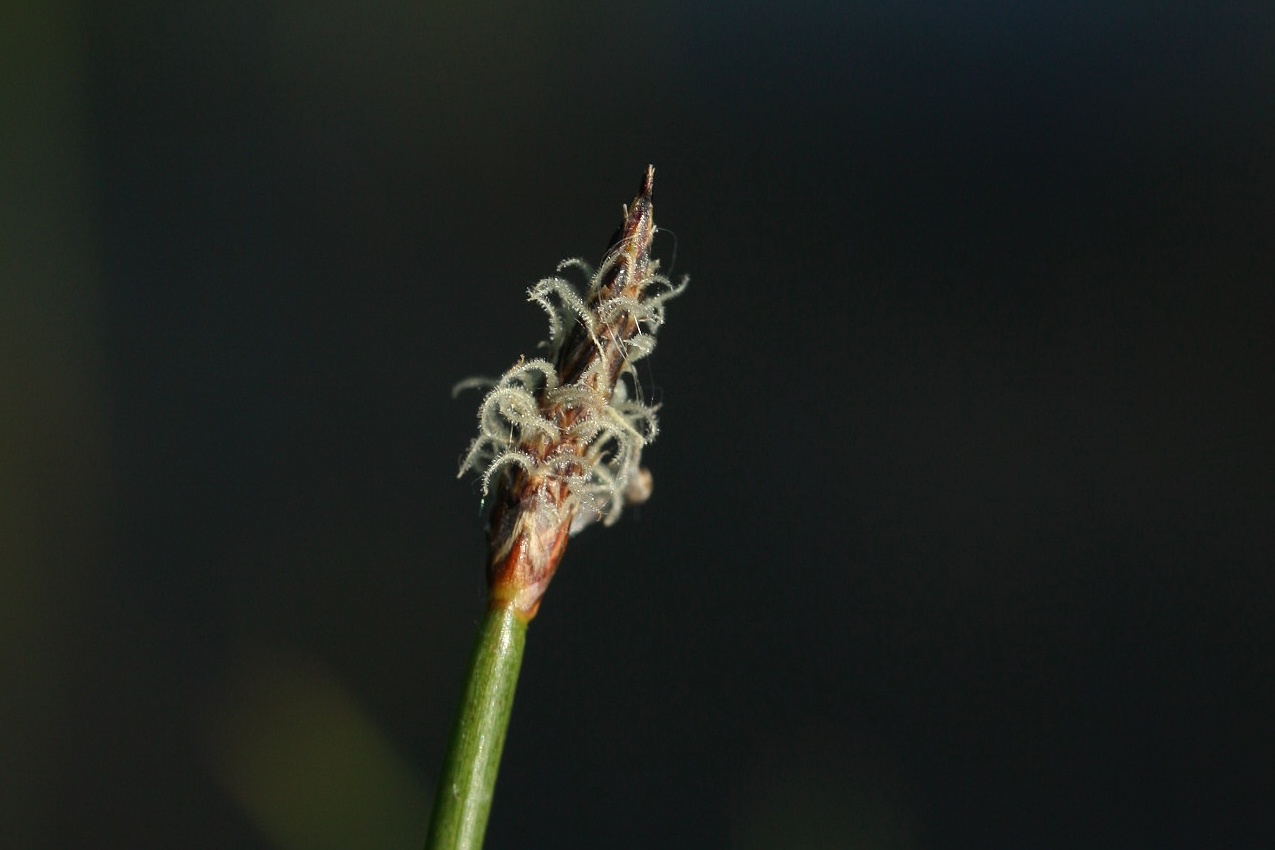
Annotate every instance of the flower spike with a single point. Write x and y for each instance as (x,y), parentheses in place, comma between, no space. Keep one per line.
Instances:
(560,441)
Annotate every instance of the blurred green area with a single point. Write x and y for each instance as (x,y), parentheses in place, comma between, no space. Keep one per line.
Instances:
(51,411)
(307,764)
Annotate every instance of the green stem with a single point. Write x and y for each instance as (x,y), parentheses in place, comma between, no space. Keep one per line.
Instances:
(468,778)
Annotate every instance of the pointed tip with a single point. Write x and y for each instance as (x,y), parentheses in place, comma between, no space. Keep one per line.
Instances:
(648,182)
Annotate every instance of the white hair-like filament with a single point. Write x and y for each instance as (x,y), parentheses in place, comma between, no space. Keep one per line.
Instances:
(516,419)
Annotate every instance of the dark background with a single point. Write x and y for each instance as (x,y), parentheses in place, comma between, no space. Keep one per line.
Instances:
(964,502)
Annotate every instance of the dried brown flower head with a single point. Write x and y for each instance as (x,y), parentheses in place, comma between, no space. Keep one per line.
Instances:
(560,440)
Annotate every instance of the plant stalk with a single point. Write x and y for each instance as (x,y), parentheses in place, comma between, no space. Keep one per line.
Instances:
(562,447)
(468,778)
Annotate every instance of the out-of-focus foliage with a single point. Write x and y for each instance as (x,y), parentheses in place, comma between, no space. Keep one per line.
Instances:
(308,765)
(50,415)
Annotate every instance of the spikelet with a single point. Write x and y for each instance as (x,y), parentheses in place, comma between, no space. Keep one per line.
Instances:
(560,440)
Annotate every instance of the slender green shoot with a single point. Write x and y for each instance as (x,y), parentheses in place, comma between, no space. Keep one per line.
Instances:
(468,778)
(559,447)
